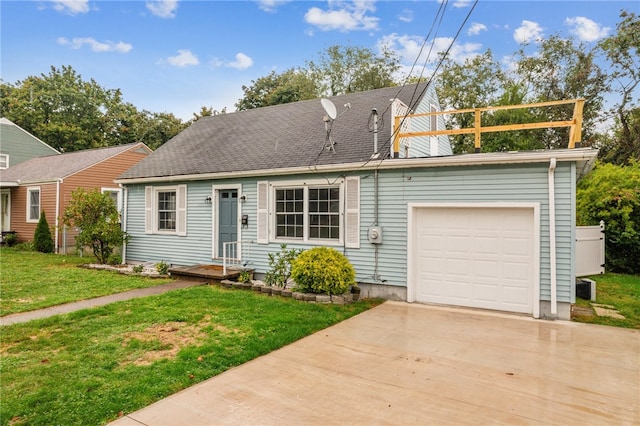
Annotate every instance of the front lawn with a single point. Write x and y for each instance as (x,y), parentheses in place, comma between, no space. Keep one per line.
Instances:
(31,280)
(91,366)
(620,291)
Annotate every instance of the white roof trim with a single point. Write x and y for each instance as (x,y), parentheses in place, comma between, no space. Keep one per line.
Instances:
(587,156)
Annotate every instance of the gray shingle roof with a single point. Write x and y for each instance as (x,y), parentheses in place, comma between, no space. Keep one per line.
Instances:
(280,136)
(52,167)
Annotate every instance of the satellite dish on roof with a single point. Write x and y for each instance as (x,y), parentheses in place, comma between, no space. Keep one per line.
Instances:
(329,108)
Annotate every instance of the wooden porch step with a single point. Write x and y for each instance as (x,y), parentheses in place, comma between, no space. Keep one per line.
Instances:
(209,272)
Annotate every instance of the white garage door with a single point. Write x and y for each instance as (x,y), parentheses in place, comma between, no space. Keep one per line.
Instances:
(475,257)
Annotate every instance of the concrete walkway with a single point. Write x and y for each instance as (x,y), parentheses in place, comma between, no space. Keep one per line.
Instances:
(411,364)
(98,301)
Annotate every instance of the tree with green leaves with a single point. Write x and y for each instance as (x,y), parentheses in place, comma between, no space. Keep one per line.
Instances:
(622,50)
(349,69)
(42,240)
(292,85)
(611,193)
(97,217)
(562,69)
(559,70)
(71,114)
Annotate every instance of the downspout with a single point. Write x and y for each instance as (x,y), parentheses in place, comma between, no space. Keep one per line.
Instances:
(552,237)
(56,231)
(124,220)
(375,192)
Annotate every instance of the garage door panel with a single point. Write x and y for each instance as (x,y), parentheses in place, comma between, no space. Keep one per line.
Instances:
(476,257)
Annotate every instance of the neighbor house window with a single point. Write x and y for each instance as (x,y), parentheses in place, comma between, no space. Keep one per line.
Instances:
(166,210)
(308,213)
(33,204)
(116,195)
(4,161)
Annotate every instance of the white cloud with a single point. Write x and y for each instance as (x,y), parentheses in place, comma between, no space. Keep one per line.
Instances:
(476,28)
(72,7)
(96,46)
(271,5)
(163,8)
(242,62)
(406,15)
(586,29)
(528,31)
(184,58)
(408,48)
(343,16)
(461,3)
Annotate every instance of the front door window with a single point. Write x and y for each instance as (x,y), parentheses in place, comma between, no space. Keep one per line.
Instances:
(227,218)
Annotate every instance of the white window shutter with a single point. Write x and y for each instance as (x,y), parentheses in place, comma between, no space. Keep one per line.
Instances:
(263,212)
(352,213)
(181,211)
(148,209)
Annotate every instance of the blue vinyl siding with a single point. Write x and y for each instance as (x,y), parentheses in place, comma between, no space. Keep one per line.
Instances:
(396,188)
(421,146)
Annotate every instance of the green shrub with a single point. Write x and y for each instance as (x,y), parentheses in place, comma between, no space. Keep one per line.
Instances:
(24,246)
(322,270)
(612,193)
(96,215)
(244,277)
(162,267)
(10,240)
(42,240)
(280,266)
(115,259)
(138,269)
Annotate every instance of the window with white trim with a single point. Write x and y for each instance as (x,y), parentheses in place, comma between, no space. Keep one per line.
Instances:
(309,212)
(166,210)
(33,204)
(116,195)
(4,161)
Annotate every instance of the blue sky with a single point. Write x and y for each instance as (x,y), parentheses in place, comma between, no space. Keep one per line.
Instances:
(176,56)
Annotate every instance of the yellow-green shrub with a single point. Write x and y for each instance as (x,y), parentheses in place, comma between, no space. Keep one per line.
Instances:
(322,270)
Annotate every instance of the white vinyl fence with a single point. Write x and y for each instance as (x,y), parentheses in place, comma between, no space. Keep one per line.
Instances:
(590,250)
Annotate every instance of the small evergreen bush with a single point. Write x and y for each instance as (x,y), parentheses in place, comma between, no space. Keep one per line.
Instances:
(138,269)
(42,240)
(322,270)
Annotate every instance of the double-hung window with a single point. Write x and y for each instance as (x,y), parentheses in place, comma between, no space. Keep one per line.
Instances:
(166,210)
(309,212)
(33,204)
(4,161)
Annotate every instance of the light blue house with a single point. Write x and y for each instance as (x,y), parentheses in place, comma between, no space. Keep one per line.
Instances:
(493,231)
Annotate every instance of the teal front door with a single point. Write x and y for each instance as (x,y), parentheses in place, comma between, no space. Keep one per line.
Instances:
(227,218)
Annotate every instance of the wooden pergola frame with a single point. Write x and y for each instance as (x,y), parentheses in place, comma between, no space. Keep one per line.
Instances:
(575,124)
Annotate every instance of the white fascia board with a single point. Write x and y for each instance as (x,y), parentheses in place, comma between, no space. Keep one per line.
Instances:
(585,156)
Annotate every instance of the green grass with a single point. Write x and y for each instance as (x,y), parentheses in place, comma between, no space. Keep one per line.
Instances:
(30,280)
(618,290)
(89,367)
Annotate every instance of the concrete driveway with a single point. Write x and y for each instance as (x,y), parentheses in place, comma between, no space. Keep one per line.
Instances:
(410,364)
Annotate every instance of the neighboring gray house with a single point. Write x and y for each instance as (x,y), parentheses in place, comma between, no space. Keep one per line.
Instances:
(472,230)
